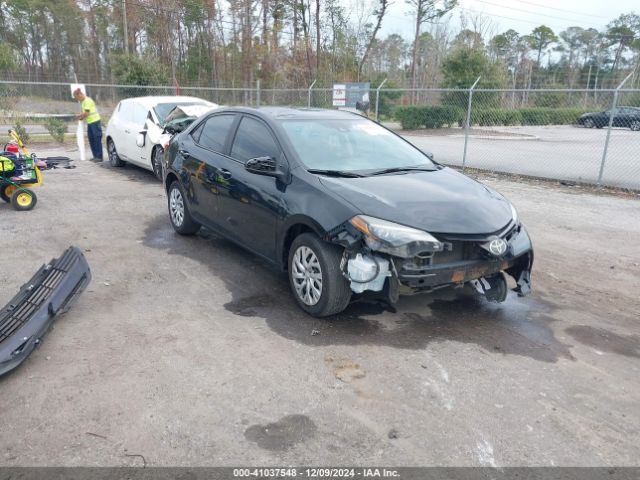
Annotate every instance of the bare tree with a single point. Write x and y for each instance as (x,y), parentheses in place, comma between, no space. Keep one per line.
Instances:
(379,13)
(426,11)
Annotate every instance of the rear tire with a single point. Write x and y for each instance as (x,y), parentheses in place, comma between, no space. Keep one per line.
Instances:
(635,126)
(114,159)
(24,199)
(6,190)
(315,278)
(179,215)
(589,123)
(156,161)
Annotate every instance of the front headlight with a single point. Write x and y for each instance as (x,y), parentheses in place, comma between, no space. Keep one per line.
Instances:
(394,239)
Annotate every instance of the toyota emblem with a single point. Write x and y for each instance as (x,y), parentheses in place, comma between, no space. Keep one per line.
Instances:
(498,247)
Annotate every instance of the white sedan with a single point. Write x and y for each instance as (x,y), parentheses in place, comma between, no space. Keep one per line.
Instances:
(135,132)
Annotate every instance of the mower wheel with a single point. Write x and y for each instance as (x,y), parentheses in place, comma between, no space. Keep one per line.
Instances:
(24,199)
(6,190)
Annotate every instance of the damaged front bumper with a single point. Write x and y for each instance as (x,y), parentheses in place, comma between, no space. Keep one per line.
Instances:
(516,261)
(30,314)
(464,259)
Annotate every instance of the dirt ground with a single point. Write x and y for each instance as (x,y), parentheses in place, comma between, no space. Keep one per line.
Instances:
(189,351)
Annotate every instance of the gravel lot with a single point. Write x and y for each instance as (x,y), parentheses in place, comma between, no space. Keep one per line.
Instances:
(189,351)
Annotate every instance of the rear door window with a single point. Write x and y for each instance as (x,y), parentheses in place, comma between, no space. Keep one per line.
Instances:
(215,132)
(253,139)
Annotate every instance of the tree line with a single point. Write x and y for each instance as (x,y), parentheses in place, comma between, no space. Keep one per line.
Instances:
(291,43)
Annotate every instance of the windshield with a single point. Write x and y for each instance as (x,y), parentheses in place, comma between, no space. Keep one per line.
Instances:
(163,109)
(350,145)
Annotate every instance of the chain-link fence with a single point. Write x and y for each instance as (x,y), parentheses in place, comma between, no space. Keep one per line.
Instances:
(590,136)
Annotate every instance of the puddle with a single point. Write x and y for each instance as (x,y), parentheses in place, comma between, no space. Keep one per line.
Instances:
(517,327)
(283,434)
(606,341)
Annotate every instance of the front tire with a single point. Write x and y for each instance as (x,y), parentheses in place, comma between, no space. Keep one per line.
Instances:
(589,123)
(315,278)
(635,126)
(114,159)
(179,215)
(23,199)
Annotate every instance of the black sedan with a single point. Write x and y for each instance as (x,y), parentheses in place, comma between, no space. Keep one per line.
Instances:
(626,117)
(344,205)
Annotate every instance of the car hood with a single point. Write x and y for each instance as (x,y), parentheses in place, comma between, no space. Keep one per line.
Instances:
(442,201)
(184,111)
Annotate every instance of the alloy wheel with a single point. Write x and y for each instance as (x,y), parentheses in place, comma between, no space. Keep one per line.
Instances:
(307,275)
(635,125)
(589,123)
(176,207)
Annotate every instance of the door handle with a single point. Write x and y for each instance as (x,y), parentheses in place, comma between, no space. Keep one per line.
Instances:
(184,153)
(127,131)
(226,174)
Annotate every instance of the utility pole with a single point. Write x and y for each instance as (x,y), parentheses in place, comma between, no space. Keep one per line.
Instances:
(126,31)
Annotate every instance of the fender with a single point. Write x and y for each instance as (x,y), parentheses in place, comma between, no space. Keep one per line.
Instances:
(285,227)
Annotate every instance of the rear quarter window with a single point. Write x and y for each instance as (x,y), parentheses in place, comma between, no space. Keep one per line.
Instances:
(215,132)
(195,133)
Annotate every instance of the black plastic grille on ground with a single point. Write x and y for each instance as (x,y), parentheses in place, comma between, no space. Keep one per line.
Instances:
(39,289)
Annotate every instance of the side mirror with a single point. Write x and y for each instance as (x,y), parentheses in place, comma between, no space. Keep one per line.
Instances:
(269,167)
(141,138)
(261,166)
(428,153)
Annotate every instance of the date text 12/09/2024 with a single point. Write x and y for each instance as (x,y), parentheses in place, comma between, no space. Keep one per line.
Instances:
(293,472)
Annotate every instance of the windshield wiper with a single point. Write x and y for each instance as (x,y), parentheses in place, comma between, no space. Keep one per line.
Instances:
(336,173)
(403,169)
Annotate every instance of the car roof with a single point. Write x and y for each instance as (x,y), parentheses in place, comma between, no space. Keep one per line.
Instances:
(302,113)
(151,101)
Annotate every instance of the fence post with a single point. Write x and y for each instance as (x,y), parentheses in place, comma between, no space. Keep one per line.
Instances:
(606,142)
(310,87)
(258,92)
(378,96)
(466,125)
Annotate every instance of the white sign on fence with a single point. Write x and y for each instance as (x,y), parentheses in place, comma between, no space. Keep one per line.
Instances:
(339,94)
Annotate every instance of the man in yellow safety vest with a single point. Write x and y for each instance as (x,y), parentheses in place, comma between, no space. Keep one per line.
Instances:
(94,128)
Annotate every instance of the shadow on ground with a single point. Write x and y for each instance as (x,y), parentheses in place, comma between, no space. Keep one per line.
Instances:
(133,173)
(516,327)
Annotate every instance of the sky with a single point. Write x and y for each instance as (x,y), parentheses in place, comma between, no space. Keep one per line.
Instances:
(520,15)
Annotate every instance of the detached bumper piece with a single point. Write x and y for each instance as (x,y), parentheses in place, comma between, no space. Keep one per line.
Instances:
(30,314)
